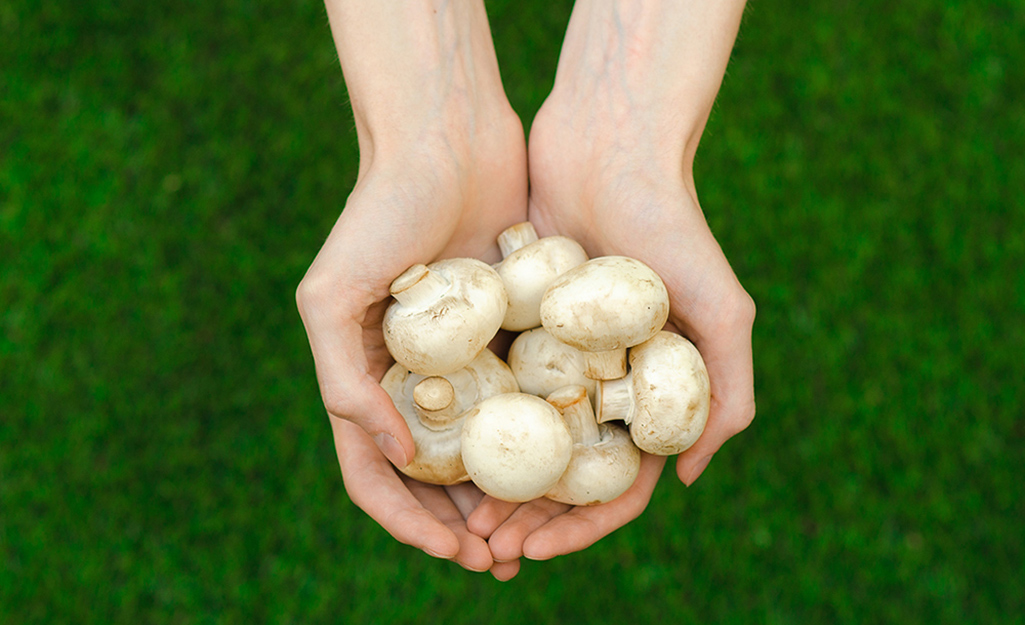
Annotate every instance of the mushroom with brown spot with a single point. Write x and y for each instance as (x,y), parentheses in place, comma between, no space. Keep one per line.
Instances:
(605,462)
(529,264)
(543,364)
(443,315)
(434,408)
(664,399)
(604,306)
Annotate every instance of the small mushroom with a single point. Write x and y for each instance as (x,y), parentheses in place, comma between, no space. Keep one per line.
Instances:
(665,397)
(443,314)
(605,462)
(434,407)
(604,306)
(515,446)
(543,364)
(529,265)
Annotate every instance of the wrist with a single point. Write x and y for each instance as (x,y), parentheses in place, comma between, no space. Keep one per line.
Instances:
(606,140)
(419,69)
(646,71)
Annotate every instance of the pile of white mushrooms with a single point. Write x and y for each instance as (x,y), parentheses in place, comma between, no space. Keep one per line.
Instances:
(591,354)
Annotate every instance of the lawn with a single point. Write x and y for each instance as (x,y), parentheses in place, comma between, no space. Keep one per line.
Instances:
(168,171)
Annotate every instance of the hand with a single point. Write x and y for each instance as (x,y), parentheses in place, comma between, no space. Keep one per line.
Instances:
(622,198)
(428,204)
(610,158)
(442,173)
(625,203)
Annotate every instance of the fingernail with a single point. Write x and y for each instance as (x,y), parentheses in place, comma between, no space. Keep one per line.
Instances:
(698,469)
(434,554)
(391,449)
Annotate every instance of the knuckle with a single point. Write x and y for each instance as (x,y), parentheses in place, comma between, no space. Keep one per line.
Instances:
(357,495)
(300,295)
(742,308)
(635,512)
(741,418)
(336,402)
(309,291)
(734,312)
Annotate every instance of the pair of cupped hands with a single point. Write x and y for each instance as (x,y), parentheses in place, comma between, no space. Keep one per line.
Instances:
(446,188)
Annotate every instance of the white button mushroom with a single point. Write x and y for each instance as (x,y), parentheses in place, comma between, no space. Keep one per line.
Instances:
(434,407)
(605,462)
(515,446)
(444,314)
(529,265)
(543,364)
(664,399)
(604,306)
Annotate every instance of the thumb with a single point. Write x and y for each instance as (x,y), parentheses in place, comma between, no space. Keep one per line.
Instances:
(369,406)
(349,387)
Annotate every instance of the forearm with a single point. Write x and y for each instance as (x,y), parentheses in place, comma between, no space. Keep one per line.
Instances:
(649,67)
(416,66)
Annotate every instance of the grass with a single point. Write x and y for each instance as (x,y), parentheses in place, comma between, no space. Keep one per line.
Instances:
(167,174)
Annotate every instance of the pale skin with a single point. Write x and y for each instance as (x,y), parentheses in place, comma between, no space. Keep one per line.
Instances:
(443,170)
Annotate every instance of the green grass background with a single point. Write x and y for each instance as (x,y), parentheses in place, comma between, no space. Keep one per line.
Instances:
(168,171)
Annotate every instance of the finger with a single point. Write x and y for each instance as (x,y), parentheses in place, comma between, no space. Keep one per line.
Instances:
(490,513)
(506,542)
(349,386)
(728,358)
(505,571)
(468,498)
(375,487)
(465,496)
(582,526)
(474,553)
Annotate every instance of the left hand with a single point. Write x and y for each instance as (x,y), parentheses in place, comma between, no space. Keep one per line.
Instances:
(616,188)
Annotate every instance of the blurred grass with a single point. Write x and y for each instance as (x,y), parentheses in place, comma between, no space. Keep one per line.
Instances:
(167,172)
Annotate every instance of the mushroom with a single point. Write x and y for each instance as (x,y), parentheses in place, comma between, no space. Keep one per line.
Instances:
(515,446)
(605,462)
(665,397)
(543,364)
(443,314)
(604,306)
(529,265)
(434,407)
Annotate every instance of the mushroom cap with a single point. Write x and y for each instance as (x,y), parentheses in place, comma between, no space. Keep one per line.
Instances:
(457,310)
(515,446)
(528,271)
(543,364)
(438,459)
(607,303)
(599,473)
(671,394)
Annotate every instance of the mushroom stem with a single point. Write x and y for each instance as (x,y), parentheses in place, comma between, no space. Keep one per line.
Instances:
(418,286)
(615,399)
(515,237)
(610,365)
(576,411)
(434,400)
